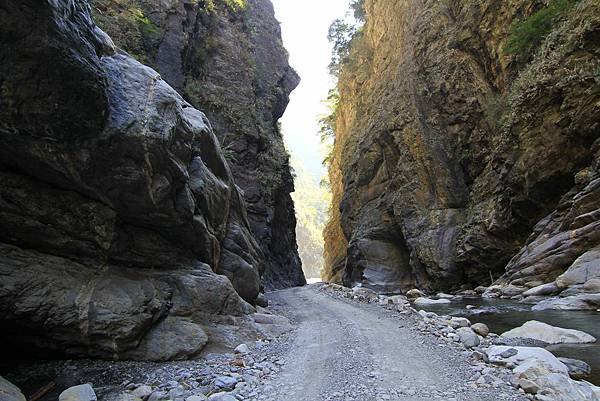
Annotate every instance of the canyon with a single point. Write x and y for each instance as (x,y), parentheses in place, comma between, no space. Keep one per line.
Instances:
(148,242)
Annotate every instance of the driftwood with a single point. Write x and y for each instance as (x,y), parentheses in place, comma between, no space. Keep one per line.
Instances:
(42,391)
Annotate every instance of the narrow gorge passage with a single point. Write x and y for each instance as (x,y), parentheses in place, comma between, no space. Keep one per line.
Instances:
(343,350)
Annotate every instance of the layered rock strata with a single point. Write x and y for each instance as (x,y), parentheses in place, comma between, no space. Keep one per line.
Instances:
(450,153)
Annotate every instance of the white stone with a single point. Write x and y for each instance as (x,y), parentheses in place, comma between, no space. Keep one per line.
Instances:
(428,301)
(575,302)
(552,335)
(83,392)
(523,354)
(242,349)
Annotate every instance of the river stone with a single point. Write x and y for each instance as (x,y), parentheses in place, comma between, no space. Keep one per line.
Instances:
(414,293)
(577,369)
(222,397)
(225,382)
(10,392)
(549,334)
(142,392)
(481,329)
(460,322)
(421,301)
(83,392)
(468,337)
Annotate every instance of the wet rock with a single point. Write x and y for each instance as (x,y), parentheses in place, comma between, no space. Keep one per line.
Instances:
(549,334)
(83,392)
(575,302)
(10,392)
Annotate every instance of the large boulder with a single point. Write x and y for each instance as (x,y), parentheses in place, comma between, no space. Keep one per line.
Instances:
(10,392)
(549,334)
(422,301)
(574,302)
(118,207)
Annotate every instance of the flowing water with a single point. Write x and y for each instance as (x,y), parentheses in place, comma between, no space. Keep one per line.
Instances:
(509,314)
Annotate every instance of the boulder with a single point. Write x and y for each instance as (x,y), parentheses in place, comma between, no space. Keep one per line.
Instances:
(503,355)
(583,269)
(542,379)
(142,392)
(577,369)
(10,392)
(468,337)
(225,382)
(541,290)
(441,295)
(83,392)
(549,334)
(414,293)
(457,322)
(481,329)
(428,301)
(575,302)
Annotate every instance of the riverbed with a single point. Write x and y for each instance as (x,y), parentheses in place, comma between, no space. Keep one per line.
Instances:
(510,314)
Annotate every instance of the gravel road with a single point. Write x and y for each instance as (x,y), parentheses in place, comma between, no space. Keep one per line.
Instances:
(344,350)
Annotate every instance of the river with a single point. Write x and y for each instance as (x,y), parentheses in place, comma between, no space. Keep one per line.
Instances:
(511,314)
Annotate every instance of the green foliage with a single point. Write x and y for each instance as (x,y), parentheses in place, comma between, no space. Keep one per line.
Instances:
(358,9)
(327,124)
(527,34)
(341,34)
(233,5)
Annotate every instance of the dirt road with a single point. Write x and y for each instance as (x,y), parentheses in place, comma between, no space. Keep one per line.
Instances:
(343,350)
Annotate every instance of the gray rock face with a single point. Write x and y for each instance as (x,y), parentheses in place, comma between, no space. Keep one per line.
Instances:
(229,62)
(117,204)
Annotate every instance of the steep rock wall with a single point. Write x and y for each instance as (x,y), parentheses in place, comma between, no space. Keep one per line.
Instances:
(117,205)
(447,151)
(227,59)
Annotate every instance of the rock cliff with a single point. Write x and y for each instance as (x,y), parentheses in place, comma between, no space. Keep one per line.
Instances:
(117,204)
(226,58)
(452,148)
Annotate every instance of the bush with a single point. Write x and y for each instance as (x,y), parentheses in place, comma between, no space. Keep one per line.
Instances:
(527,34)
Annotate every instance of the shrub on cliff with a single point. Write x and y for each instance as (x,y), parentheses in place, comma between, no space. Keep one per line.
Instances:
(527,34)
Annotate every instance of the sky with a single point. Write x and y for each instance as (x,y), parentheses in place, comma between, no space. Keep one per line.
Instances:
(304,26)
